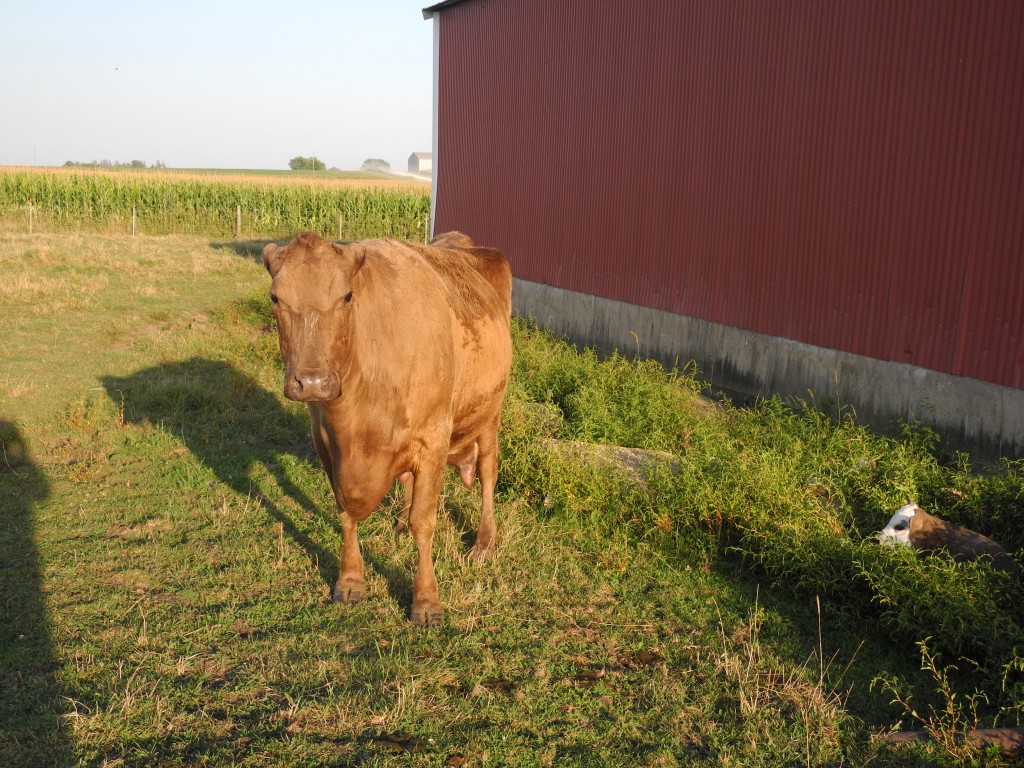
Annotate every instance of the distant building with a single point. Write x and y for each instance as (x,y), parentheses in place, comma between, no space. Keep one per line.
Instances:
(421,162)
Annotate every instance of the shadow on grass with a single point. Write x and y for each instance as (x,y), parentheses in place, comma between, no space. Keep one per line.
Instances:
(247,249)
(31,699)
(253,249)
(231,424)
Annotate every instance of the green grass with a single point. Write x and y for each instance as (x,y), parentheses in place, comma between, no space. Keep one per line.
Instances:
(171,542)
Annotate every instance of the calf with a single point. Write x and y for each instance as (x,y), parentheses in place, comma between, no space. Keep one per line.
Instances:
(913,527)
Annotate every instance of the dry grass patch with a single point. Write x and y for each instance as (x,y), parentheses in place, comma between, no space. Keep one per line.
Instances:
(99,301)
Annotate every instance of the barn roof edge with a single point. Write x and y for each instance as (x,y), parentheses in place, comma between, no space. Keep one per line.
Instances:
(428,12)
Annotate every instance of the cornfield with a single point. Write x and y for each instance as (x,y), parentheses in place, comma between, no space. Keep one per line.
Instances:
(160,202)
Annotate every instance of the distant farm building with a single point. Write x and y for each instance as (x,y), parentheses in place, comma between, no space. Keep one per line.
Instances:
(421,162)
(821,199)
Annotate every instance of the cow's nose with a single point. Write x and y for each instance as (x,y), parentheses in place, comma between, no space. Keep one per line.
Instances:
(311,386)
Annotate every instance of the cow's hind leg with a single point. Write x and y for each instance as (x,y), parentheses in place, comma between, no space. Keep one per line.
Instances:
(402,525)
(426,601)
(487,466)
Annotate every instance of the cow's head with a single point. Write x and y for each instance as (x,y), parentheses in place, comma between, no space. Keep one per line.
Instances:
(312,296)
(898,529)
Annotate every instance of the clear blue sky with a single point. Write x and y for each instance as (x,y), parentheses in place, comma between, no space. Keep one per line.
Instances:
(215,83)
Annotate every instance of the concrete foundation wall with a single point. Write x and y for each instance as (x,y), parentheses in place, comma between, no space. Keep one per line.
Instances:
(986,419)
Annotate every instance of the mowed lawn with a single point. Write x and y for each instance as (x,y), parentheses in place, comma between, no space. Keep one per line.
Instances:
(170,542)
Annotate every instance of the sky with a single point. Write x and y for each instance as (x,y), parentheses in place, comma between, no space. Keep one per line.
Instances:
(215,83)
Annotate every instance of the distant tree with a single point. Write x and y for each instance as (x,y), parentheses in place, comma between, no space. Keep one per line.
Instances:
(307,164)
(376,164)
(138,164)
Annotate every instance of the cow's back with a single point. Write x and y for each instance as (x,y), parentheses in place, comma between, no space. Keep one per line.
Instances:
(477,284)
(477,280)
(438,302)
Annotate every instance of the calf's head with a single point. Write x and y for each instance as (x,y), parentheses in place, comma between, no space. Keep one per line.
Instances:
(312,294)
(897,531)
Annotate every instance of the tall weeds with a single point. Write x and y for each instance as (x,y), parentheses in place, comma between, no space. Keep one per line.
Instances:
(790,492)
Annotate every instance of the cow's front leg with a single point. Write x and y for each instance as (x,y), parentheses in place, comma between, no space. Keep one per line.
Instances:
(351,586)
(426,602)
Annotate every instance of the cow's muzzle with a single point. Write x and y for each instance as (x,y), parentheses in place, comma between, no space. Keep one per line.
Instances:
(310,386)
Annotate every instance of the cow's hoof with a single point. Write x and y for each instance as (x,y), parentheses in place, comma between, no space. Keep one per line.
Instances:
(481,553)
(348,592)
(401,528)
(424,614)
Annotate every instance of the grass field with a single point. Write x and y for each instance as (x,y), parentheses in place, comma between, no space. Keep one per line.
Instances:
(171,542)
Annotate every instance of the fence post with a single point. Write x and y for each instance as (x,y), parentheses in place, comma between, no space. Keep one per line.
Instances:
(426,227)
(341,224)
(133,221)
(31,212)
(238,222)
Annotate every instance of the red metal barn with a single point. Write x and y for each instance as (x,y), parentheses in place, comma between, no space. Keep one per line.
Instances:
(820,196)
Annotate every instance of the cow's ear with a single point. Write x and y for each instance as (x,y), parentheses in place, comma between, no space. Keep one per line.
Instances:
(920,521)
(355,253)
(272,258)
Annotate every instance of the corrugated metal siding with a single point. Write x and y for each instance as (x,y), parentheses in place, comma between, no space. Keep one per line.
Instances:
(841,173)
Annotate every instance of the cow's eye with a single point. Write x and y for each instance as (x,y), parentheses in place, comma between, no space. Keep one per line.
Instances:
(273,298)
(901,526)
(348,297)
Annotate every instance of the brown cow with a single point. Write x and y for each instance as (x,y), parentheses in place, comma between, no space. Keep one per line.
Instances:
(402,354)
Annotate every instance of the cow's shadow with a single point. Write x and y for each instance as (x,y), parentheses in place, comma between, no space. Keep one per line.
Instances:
(253,249)
(232,424)
(247,249)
